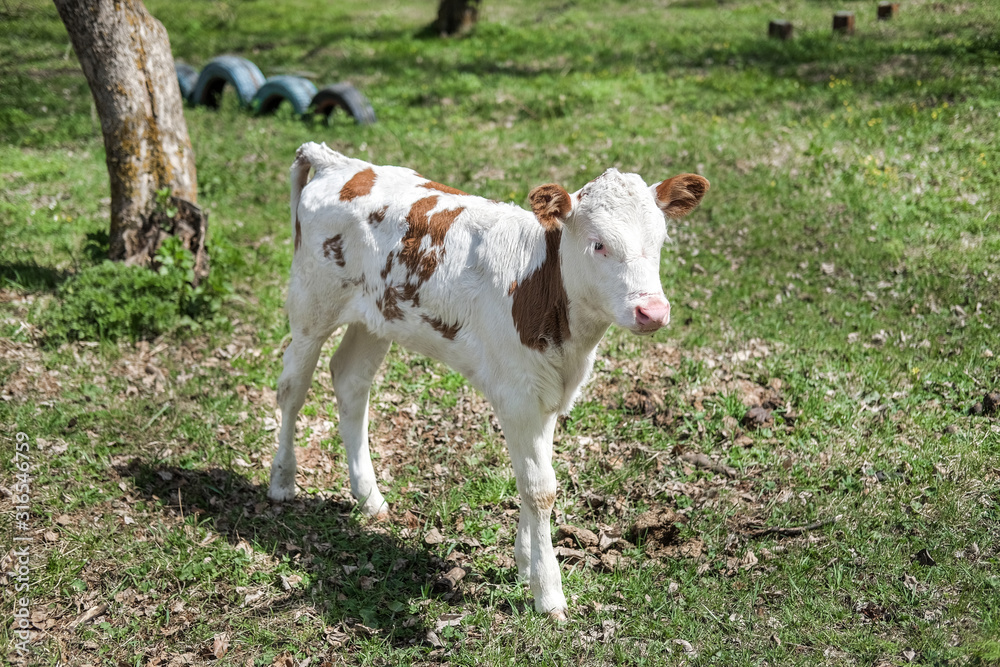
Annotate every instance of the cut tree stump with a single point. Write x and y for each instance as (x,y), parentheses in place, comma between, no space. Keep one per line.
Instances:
(456,17)
(779,29)
(887,10)
(189,224)
(843,22)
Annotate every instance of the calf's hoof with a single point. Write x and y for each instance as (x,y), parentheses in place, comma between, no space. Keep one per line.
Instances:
(554,606)
(279,494)
(374,507)
(558,616)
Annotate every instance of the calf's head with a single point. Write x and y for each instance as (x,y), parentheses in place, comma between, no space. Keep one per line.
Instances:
(612,232)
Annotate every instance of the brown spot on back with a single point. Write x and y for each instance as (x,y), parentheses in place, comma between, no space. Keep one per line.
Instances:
(550,203)
(423,262)
(440,223)
(375,217)
(541,306)
(334,246)
(449,331)
(420,263)
(431,185)
(359,185)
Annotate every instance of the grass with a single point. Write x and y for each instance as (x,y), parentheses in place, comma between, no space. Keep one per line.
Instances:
(845,260)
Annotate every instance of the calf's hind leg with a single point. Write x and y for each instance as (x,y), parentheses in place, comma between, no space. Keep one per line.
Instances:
(353,367)
(299,363)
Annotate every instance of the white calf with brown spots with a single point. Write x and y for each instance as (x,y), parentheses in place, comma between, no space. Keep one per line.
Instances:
(516,301)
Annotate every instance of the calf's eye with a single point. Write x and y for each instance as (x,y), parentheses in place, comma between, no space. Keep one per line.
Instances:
(598,247)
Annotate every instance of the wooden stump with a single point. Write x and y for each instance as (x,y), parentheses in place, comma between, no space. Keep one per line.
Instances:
(887,10)
(179,218)
(779,29)
(457,17)
(843,22)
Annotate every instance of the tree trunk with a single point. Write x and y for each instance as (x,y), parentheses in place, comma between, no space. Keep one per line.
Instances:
(457,16)
(125,55)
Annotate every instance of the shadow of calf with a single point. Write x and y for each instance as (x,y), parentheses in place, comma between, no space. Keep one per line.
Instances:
(359,576)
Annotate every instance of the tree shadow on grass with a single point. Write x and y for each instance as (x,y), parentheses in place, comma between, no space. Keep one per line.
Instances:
(819,49)
(30,276)
(33,277)
(360,577)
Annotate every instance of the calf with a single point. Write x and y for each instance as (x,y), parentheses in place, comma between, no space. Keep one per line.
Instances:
(515,301)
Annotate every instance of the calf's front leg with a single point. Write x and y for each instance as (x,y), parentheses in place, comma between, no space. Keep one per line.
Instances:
(528,432)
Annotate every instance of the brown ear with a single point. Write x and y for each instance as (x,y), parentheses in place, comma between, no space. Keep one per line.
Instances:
(679,195)
(550,203)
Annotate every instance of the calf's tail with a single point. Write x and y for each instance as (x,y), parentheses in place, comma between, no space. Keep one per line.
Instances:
(309,156)
(300,176)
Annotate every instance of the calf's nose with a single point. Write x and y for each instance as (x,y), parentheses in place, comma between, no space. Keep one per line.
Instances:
(653,313)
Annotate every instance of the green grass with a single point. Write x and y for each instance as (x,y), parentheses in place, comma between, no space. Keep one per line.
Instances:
(848,248)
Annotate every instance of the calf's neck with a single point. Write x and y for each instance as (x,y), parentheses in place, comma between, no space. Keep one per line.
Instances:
(515,301)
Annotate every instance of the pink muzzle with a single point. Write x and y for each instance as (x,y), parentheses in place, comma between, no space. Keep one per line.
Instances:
(652,313)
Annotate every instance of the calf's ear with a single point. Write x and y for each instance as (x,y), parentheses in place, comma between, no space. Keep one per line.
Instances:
(551,204)
(679,195)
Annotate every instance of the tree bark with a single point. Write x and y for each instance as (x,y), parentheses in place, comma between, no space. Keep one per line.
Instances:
(125,56)
(457,16)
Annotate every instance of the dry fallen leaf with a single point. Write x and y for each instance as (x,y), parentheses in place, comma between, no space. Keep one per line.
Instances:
(448,620)
(220,645)
(686,645)
(335,638)
(252,597)
(571,555)
(89,615)
(576,536)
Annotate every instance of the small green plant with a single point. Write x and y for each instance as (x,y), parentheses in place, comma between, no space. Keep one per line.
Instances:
(111,301)
(202,302)
(163,202)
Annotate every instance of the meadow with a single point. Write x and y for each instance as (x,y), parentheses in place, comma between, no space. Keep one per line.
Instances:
(803,468)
